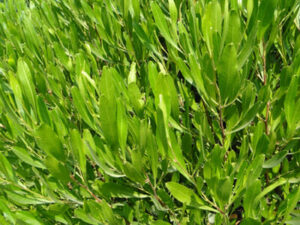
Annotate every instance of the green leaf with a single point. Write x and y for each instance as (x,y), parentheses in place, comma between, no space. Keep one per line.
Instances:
(234,30)
(100,161)
(224,189)
(107,213)
(121,191)
(250,221)
(26,157)
(162,24)
(152,151)
(133,174)
(292,201)
(62,56)
(211,23)
(251,192)
(82,215)
(122,125)
(291,105)
(57,169)
(132,74)
(78,150)
(161,130)
(3,221)
(43,111)
(16,87)
(108,120)
(135,97)
(160,222)
(108,83)
(88,10)
(6,168)
(247,118)
(136,8)
(228,77)
(293,221)
(28,218)
(184,70)
(266,15)
(175,154)
(23,199)
(247,49)
(48,141)
(255,169)
(184,194)
(173,11)
(197,75)
(164,85)
(26,81)
(81,107)
(275,160)
(268,189)
(5,210)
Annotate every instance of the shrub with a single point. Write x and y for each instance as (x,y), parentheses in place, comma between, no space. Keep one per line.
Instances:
(149,112)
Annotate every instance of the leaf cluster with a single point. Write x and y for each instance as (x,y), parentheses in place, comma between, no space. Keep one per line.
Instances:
(149,112)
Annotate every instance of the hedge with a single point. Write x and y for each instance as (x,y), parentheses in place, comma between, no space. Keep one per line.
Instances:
(149,112)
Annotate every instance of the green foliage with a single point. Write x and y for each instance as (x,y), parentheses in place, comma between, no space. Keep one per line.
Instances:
(149,112)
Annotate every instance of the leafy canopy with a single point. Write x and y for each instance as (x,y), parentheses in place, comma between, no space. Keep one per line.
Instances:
(149,112)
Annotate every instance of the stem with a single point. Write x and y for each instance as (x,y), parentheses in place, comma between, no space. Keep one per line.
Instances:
(264,65)
(23,187)
(267,117)
(213,204)
(265,83)
(86,188)
(222,125)
(267,178)
(175,160)
(208,117)
(158,198)
(154,191)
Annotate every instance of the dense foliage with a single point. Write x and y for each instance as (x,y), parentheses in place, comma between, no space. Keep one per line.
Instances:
(149,112)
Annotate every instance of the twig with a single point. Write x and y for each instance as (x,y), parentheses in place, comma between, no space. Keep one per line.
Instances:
(158,198)
(213,204)
(266,119)
(264,65)
(267,178)
(222,126)
(86,188)
(208,117)
(23,187)
(265,83)
(97,171)
(154,191)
